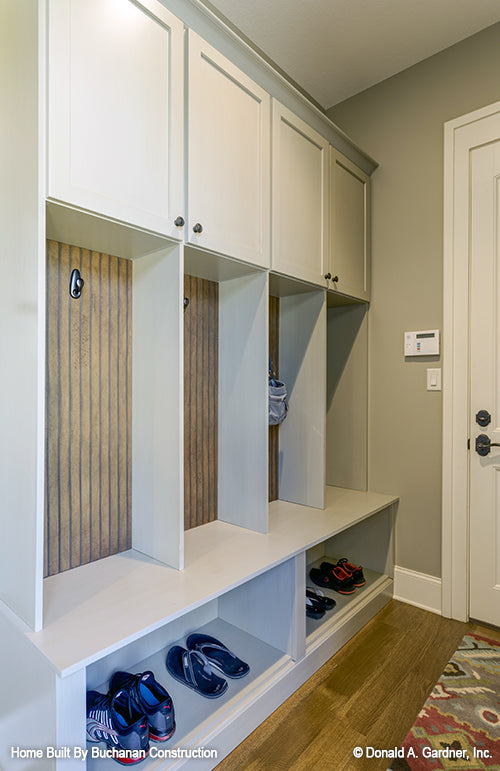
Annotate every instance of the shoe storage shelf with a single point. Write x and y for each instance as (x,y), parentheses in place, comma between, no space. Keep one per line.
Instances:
(243,587)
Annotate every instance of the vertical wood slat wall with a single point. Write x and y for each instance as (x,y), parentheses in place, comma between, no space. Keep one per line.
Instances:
(274,444)
(201,324)
(88,408)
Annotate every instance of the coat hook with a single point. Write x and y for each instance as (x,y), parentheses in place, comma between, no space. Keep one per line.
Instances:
(76,283)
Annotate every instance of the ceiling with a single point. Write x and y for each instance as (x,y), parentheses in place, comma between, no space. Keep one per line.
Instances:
(336,48)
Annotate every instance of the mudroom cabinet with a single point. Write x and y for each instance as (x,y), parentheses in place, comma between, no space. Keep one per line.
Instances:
(300,198)
(149,497)
(228,157)
(115,121)
(349,265)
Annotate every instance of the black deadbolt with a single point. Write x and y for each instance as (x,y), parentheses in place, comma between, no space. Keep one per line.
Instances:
(483,417)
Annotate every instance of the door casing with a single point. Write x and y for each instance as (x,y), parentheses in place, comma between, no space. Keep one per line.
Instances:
(460,136)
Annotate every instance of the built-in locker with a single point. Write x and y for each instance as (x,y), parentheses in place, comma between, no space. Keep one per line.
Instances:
(225,365)
(113,408)
(297,341)
(346,462)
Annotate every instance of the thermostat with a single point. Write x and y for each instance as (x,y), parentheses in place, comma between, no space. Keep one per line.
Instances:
(424,343)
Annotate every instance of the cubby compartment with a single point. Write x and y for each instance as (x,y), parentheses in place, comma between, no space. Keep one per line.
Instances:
(297,347)
(368,544)
(225,367)
(346,462)
(113,406)
(259,634)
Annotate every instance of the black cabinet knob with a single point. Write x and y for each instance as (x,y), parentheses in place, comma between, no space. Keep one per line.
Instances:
(197,228)
(179,222)
(335,278)
(328,276)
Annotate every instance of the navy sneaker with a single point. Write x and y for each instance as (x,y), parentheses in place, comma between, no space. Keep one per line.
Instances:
(356,571)
(332,577)
(114,719)
(151,699)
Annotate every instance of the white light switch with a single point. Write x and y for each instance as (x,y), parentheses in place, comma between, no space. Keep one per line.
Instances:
(434,379)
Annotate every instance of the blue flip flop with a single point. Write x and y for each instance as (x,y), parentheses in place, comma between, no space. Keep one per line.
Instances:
(218,655)
(192,669)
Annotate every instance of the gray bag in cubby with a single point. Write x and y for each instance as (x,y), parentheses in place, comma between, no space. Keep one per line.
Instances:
(278,402)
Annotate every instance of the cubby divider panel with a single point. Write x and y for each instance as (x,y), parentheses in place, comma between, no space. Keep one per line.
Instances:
(302,326)
(242,410)
(157,412)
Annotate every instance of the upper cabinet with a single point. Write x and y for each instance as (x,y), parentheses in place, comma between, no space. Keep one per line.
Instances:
(228,158)
(349,228)
(115,110)
(300,198)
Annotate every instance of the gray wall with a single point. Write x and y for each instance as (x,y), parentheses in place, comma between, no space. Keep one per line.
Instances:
(400,123)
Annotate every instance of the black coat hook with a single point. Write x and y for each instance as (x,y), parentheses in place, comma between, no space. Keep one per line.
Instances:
(76,283)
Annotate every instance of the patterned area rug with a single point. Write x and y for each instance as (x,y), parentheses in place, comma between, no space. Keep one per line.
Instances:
(459,725)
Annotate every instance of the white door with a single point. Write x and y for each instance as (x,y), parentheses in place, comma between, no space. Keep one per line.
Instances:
(228,158)
(484,249)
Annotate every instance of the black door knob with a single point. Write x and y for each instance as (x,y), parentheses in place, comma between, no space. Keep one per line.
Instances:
(197,228)
(179,222)
(483,444)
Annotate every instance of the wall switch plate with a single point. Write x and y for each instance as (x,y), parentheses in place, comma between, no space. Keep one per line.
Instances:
(434,379)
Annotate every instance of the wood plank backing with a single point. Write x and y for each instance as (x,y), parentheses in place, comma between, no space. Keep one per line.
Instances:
(88,409)
(201,323)
(274,443)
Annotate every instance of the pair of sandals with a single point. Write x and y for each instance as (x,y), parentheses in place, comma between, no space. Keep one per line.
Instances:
(317,603)
(194,666)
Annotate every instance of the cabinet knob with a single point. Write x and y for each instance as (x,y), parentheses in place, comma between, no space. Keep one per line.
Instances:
(328,276)
(197,228)
(179,222)
(335,278)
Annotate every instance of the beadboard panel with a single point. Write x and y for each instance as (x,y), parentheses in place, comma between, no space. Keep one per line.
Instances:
(274,436)
(201,357)
(88,408)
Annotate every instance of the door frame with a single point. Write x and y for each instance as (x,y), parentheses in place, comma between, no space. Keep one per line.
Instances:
(460,136)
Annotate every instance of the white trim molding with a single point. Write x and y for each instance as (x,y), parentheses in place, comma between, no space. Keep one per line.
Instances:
(460,136)
(418,589)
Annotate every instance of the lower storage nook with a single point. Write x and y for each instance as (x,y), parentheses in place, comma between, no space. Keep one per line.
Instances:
(367,544)
(247,589)
(240,619)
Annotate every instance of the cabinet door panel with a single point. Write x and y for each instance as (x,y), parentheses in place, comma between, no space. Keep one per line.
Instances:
(300,196)
(229,157)
(115,110)
(350,227)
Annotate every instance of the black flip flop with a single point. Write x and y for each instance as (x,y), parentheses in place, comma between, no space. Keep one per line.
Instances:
(218,655)
(192,669)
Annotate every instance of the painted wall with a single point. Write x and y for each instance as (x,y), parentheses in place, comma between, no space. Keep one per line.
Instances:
(400,123)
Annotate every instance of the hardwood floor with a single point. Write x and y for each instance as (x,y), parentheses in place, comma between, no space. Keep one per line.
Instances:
(367,695)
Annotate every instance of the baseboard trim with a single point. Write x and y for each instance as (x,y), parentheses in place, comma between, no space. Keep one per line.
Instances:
(417,589)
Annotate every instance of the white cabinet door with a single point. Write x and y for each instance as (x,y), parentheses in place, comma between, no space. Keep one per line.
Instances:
(115,117)
(228,158)
(300,198)
(349,227)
